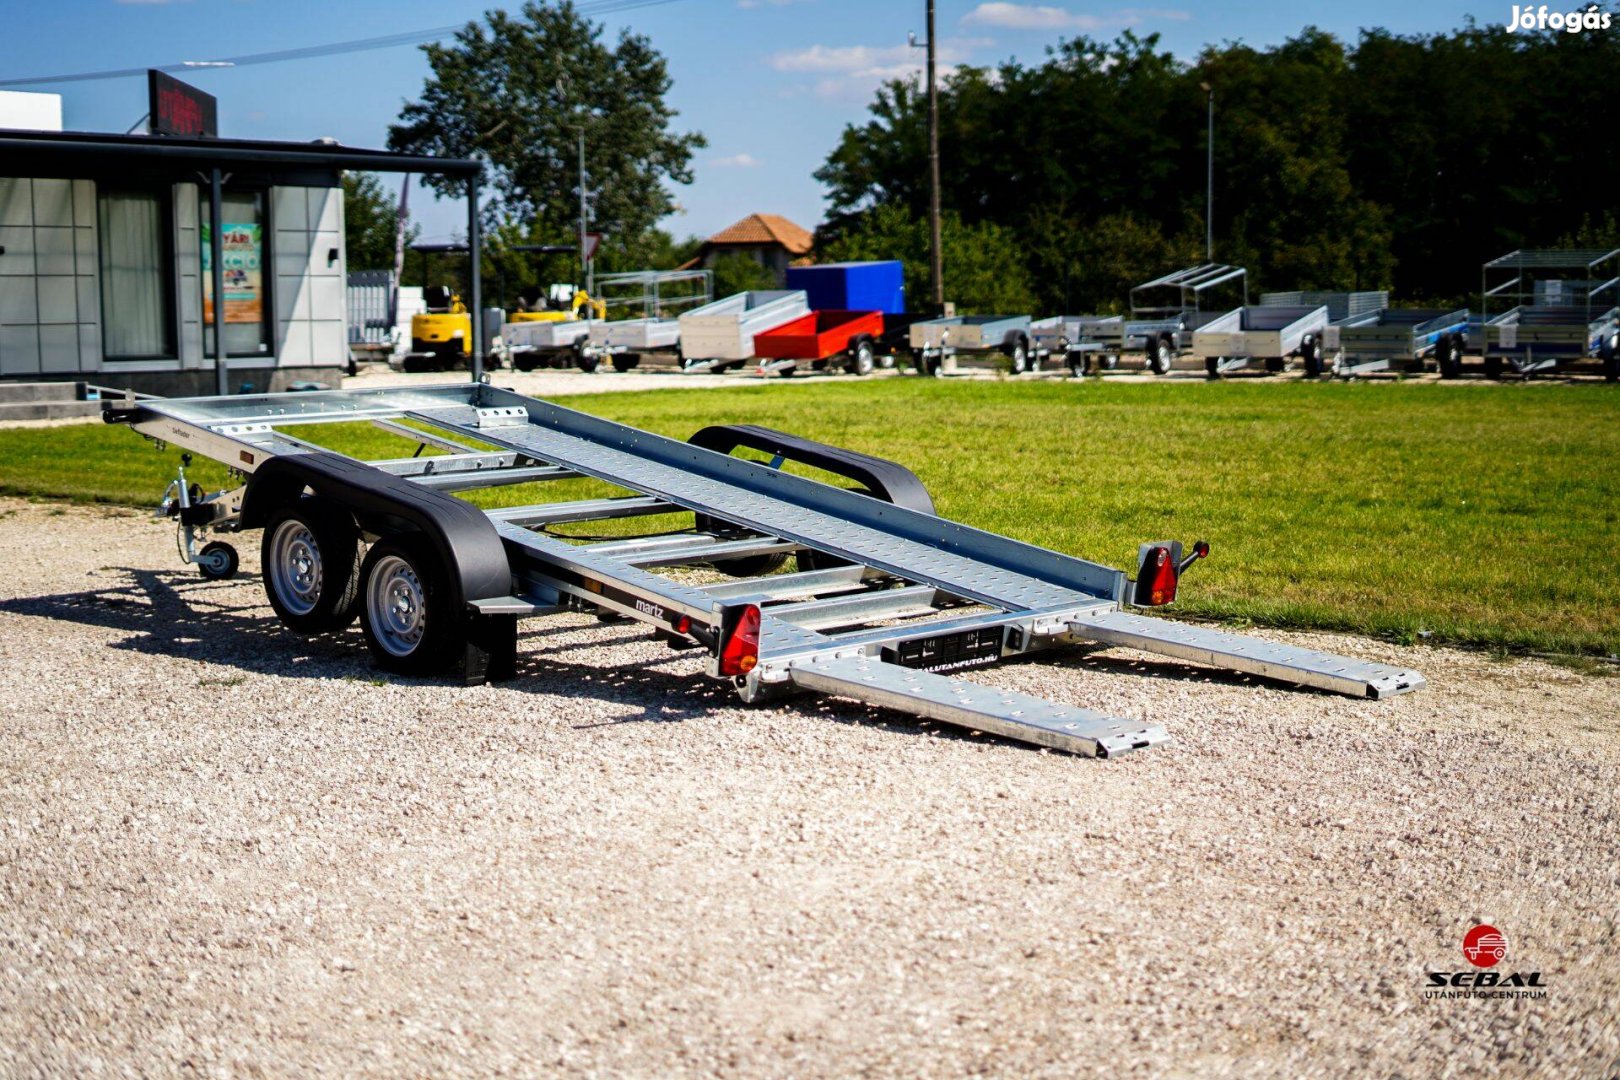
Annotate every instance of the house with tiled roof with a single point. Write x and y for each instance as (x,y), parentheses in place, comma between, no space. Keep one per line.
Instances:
(769,239)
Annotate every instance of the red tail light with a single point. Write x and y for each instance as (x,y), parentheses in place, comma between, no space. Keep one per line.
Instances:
(1157,573)
(739,645)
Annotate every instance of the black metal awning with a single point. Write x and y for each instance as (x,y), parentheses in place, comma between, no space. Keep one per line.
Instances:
(96,154)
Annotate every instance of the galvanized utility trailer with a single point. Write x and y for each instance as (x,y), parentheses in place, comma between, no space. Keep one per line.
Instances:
(1410,337)
(1078,339)
(1551,308)
(720,335)
(887,602)
(1271,334)
(530,345)
(819,339)
(1168,310)
(643,308)
(936,342)
(1343,308)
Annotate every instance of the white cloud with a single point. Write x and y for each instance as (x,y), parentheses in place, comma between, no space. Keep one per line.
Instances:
(1008,16)
(737,161)
(872,59)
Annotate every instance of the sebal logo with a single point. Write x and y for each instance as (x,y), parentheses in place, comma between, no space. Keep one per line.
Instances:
(1571,22)
(1484,947)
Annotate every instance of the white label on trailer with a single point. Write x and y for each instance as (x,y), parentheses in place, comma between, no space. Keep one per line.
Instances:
(1509,336)
(1330,337)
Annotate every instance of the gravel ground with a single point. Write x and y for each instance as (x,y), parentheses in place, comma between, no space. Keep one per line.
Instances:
(228,851)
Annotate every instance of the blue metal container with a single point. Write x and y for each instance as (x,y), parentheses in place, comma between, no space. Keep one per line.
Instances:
(852,286)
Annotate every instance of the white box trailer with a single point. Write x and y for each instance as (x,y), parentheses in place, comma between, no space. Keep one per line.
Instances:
(626,341)
(1273,334)
(721,334)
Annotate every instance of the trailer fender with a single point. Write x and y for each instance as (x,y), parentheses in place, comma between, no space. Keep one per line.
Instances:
(878,477)
(462,536)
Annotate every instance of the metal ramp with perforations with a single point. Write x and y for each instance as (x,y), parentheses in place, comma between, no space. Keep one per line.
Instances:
(887,605)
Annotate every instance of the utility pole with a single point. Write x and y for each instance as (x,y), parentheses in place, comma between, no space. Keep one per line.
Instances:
(1209,178)
(936,258)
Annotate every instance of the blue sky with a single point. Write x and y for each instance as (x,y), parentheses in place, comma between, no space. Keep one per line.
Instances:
(772,83)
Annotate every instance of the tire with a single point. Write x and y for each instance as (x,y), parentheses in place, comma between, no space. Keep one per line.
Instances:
(524,361)
(861,361)
(1108,362)
(1078,363)
(1276,364)
(1448,358)
(1160,356)
(310,560)
(1018,354)
(1312,355)
(218,561)
(622,364)
(1610,355)
(1212,365)
(1493,367)
(588,364)
(406,613)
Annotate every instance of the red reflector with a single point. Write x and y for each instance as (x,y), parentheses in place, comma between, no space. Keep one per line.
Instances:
(683,624)
(740,652)
(1161,574)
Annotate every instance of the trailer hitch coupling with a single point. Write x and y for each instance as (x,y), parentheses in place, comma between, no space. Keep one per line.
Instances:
(1159,566)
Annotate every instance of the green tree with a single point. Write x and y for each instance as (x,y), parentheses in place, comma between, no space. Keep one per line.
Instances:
(984,264)
(370,221)
(515,92)
(735,273)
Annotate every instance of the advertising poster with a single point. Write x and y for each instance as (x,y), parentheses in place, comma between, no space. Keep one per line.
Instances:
(244,277)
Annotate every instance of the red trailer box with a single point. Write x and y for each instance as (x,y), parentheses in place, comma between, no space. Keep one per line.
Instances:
(822,335)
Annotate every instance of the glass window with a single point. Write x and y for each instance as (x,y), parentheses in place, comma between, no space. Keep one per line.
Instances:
(247,328)
(137,278)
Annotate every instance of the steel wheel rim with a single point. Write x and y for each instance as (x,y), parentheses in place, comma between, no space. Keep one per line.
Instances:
(397,606)
(296,571)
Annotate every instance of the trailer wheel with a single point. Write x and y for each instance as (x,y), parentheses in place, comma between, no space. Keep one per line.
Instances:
(861,359)
(1160,357)
(1448,358)
(310,560)
(524,361)
(1277,364)
(1078,363)
(588,363)
(1018,353)
(218,561)
(406,609)
(1312,355)
(1493,367)
(1108,362)
(1610,355)
(622,364)
(1212,364)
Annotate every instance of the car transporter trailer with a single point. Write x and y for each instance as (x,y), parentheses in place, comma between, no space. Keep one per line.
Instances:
(887,601)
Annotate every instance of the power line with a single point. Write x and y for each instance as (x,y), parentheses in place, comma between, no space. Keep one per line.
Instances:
(385,41)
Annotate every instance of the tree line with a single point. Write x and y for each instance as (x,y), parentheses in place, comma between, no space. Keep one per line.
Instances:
(1394,162)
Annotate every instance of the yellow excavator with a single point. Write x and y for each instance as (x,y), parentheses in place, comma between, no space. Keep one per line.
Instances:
(559,303)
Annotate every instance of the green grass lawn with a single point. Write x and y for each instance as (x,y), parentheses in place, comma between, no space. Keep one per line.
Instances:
(1487,515)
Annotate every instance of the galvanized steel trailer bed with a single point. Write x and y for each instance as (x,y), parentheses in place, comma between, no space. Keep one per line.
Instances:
(1167,311)
(936,342)
(1378,340)
(887,601)
(1522,330)
(1270,334)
